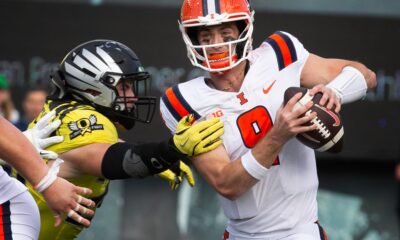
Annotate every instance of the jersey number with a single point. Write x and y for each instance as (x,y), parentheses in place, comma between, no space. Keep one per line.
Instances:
(253,125)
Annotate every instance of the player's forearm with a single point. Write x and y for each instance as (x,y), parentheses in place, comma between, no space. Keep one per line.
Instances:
(267,149)
(254,165)
(319,70)
(18,151)
(234,180)
(227,177)
(122,160)
(84,160)
(129,160)
(369,75)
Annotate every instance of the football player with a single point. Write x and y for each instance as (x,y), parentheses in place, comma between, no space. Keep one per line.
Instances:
(19,215)
(99,86)
(267,180)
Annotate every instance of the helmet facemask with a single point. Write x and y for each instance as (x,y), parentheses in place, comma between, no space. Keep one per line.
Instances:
(135,106)
(238,49)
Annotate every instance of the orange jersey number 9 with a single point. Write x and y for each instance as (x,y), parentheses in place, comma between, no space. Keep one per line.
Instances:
(253,125)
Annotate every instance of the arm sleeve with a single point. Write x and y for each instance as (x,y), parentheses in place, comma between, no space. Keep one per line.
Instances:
(127,160)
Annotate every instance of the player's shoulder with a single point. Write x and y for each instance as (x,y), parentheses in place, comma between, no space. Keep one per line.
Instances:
(74,111)
(85,119)
(280,47)
(81,125)
(180,99)
(283,40)
(193,86)
(85,114)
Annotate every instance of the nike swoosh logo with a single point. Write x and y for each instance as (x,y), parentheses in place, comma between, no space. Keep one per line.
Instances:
(184,143)
(266,90)
(333,115)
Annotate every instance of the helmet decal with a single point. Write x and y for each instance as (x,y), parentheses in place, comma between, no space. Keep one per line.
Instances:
(108,60)
(211,7)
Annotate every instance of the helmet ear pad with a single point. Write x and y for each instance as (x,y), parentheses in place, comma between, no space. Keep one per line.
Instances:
(59,83)
(241,25)
(192,33)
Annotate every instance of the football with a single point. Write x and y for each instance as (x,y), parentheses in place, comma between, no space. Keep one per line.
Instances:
(328,137)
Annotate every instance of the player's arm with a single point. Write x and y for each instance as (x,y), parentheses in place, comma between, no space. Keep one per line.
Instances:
(133,160)
(60,195)
(319,70)
(121,160)
(233,178)
(14,149)
(345,81)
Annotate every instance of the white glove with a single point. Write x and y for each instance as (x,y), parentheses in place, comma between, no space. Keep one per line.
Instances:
(39,135)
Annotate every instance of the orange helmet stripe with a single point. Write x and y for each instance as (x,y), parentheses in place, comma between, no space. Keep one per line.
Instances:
(192,9)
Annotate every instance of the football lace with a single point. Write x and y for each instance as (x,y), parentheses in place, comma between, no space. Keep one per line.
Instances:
(322,129)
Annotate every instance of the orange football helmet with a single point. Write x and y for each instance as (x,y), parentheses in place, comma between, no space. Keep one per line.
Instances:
(196,13)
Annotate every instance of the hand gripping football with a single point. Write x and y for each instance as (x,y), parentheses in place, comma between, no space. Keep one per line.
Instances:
(329,133)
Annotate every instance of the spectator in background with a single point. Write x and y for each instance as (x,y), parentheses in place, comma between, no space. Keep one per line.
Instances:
(32,105)
(7,109)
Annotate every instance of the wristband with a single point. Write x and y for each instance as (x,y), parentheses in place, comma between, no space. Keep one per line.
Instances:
(253,167)
(50,177)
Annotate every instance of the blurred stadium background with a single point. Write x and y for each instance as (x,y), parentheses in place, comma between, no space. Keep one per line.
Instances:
(358,194)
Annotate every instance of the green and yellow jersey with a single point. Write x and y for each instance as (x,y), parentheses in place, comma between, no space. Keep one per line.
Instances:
(80,125)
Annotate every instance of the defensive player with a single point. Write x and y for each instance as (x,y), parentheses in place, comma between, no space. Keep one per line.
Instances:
(19,215)
(266,179)
(98,87)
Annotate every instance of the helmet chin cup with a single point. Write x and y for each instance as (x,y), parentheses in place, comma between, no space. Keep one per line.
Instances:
(222,63)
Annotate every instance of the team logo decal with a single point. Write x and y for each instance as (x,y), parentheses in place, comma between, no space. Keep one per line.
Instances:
(242,98)
(84,125)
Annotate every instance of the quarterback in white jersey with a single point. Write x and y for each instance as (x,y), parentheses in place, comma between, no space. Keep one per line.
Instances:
(286,196)
(267,180)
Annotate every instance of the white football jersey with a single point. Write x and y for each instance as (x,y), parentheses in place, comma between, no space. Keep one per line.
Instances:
(286,197)
(9,187)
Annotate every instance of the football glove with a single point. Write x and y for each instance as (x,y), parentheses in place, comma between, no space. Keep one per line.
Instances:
(39,135)
(176,174)
(197,138)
